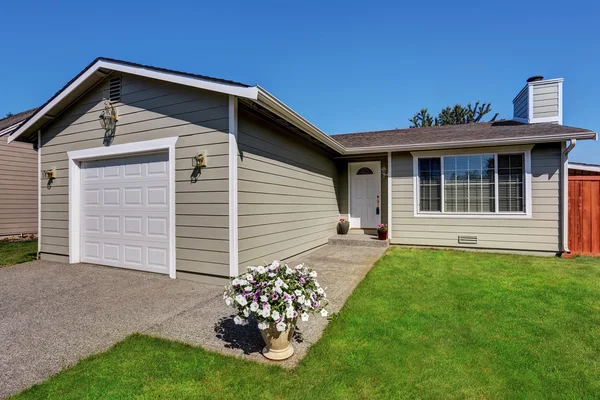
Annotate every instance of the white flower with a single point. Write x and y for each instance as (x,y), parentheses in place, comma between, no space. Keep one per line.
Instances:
(275,315)
(246,312)
(301,299)
(299,266)
(298,292)
(275,264)
(313,274)
(238,320)
(288,270)
(279,282)
(317,284)
(289,312)
(241,300)
(278,289)
(229,301)
(324,313)
(260,269)
(235,282)
(304,317)
(272,274)
(281,326)
(263,325)
(307,303)
(250,268)
(242,282)
(249,277)
(248,288)
(264,298)
(254,306)
(320,291)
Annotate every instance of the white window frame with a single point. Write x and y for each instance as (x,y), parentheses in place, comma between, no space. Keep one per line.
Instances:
(525,150)
(121,150)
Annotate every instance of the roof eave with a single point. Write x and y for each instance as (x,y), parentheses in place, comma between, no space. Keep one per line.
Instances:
(54,106)
(589,135)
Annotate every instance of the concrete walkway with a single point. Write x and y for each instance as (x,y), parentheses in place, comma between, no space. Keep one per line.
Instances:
(54,314)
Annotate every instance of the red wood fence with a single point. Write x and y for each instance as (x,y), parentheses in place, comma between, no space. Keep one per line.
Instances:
(584,215)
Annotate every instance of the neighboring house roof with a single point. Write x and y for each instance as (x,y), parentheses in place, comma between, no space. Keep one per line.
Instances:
(10,124)
(584,167)
(486,133)
(499,133)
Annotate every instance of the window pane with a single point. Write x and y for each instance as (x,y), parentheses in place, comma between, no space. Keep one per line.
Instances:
(467,183)
(430,176)
(511,185)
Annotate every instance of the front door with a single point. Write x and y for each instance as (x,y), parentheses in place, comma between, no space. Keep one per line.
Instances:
(365,195)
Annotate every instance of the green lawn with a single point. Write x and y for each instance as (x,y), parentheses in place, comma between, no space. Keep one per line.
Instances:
(423,324)
(17,252)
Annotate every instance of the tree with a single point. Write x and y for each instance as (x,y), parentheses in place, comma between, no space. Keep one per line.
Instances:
(422,119)
(471,114)
(9,114)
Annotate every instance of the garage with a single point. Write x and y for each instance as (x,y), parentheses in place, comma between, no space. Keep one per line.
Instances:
(125,214)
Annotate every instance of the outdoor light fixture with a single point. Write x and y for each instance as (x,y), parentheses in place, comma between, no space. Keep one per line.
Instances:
(199,160)
(384,171)
(108,117)
(50,174)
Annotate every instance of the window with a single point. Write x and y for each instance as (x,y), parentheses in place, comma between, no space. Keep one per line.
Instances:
(472,184)
(364,171)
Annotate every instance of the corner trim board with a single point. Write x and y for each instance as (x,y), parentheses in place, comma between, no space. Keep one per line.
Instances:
(75,159)
(233,187)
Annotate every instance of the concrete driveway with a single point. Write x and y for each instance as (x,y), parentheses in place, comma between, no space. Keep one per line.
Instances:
(53,314)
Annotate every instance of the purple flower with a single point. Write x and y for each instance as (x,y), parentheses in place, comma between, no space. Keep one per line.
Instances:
(293,297)
(295,314)
(286,297)
(274,296)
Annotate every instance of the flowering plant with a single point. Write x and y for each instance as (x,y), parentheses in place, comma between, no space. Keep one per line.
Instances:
(276,294)
(342,220)
(382,227)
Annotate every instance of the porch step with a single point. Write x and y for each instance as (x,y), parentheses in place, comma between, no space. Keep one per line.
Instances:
(358,240)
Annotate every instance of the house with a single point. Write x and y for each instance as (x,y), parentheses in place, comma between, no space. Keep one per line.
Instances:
(18,186)
(200,177)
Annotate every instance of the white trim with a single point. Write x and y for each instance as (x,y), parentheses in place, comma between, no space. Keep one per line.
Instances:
(377,174)
(525,150)
(120,150)
(39,190)
(560,102)
(11,128)
(529,103)
(584,167)
(545,82)
(233,187)
(542,120)
(197,82)
(389,196)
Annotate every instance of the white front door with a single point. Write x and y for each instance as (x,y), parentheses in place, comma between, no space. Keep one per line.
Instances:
(365,195)
(125,212)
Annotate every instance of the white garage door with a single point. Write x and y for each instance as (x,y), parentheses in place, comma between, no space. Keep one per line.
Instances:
(125,212)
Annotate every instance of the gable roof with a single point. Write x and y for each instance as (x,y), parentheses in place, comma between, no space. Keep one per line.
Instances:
(480,134)
(10,124)
(499,133)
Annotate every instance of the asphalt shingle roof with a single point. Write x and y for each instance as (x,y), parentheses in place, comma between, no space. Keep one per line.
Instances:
(454,133)
(15,119)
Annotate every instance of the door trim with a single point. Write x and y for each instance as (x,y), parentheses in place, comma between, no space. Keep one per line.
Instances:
(120,150)
(376,165)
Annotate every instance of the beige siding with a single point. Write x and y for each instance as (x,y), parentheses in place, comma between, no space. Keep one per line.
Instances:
(343,185)
(521,105)
(545,100)
(149,110)
(18,191)
(287,193)
(539,233)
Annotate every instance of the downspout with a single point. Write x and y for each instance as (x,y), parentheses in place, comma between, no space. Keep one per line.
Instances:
(39,192)
(565,195)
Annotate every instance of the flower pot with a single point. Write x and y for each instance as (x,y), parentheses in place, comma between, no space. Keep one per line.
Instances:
(343,227)
(278,344)
(382,235)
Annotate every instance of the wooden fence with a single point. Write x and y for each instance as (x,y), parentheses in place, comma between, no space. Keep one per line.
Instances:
(584,214)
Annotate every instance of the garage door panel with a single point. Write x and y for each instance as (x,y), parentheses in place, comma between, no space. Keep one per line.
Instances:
(125,213)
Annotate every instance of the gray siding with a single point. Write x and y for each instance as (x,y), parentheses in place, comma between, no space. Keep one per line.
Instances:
(539,234)
(18,189)
(149,110)
(521,105)
(343,185)
(287,193)
(545,100)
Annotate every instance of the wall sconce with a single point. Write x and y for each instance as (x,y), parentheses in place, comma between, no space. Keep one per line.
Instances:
(384,171)
(199,160)
(108,117)
(50,174)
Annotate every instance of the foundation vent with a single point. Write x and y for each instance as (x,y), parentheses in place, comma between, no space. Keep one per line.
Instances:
(114,89)
(467,239)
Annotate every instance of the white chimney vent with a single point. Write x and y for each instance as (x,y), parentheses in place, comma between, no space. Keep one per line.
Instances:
(539,101)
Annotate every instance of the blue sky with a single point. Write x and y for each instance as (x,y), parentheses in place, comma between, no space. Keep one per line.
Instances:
(346,66)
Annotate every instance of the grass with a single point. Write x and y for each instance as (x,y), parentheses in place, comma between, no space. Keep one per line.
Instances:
(423,324)
(17,252)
